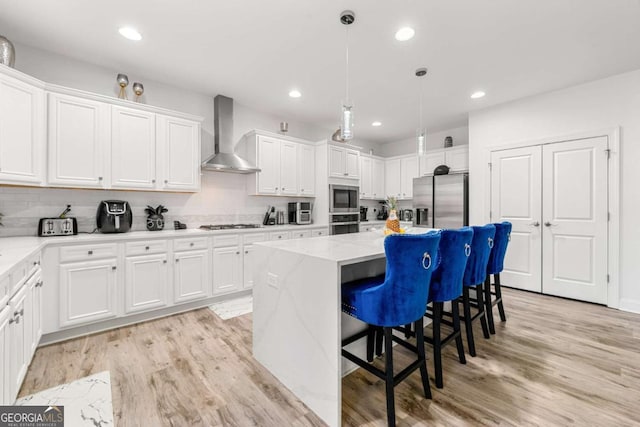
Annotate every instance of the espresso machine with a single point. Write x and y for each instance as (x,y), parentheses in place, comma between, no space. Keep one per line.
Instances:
(363,213)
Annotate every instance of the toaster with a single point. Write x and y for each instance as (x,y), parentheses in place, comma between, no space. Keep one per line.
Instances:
(114,216)
(57,227)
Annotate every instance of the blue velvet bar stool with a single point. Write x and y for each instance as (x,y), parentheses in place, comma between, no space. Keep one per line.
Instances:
(446,285)
(495,267)
(396,298)
(474,276)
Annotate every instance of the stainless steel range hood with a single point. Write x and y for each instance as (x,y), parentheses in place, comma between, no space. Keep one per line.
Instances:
(224,159)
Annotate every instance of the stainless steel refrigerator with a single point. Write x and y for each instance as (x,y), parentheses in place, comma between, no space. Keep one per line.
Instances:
(441,201)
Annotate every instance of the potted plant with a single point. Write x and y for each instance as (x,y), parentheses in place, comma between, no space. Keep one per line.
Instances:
(155,219)
(393,223)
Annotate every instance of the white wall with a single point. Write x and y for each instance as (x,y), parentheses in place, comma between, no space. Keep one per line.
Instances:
(435,140)
(603,104)
(223,197)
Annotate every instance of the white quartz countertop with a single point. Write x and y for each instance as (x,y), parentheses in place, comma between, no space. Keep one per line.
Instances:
(13,250)
(343,248)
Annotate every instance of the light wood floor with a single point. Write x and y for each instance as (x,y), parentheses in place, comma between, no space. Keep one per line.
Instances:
(554,362)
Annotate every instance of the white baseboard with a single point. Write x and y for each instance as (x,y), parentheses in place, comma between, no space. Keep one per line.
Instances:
(632,305)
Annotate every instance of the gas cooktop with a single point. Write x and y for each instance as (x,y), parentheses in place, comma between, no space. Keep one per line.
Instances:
(228,226)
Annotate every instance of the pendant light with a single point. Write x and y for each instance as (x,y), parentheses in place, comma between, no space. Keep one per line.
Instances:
(421,132)
(347,18)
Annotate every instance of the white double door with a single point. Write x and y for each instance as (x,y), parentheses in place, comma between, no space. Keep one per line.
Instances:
(555,195)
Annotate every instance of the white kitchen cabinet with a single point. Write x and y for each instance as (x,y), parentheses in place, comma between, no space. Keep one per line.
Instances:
(191,277)
(344,162)
(268,160)
(366,184)
(288,168)
(146,282)
(178,154)
(377,179)
(306,170)
(457,158)
(22,132)
(247,260)
(79,137)
(35,308)
(18,344)
(133,149)
(392,178)
(227,269)
(408,171)
(6,316)
(87,291)
(319,232)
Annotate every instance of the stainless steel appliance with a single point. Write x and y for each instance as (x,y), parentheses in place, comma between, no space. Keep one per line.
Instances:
(442,201)
(363,213)
(114,216)
(344,198)
(382,212)
(406,215)
(228,226)
(299,213)
(344,223)
(57,227)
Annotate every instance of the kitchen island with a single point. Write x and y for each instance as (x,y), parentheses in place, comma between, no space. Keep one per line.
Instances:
(297,320)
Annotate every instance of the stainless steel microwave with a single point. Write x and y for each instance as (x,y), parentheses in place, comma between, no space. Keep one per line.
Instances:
(344,198)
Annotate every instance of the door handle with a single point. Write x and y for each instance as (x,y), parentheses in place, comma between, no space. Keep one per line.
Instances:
(535,224)
(548,224)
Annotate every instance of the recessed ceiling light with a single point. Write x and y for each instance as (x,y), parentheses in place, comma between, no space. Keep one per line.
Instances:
(478,94)
(376,124)
(404,34)
(130,33)
(295,93)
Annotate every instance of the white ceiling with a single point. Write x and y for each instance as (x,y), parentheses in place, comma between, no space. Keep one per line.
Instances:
(256,51)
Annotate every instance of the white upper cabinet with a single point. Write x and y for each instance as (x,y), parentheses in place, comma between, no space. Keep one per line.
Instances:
(178,153)
(133,148)
(457,158)
(22,132)
(377,179)
(344,162)
(366,186)
(79,136)
(306,170)
(399,174)
(287,166)
(392,178)
(372,178)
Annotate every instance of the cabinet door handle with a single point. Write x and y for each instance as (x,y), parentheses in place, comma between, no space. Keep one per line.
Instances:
(191,244)
(302,190)
(113,267)
(39,284)
(13,320)
(164,261)
(90,253)
(177,259)
(246,252)
(99,178)
(146,248)
(345,174)
(238,253)
(166,181)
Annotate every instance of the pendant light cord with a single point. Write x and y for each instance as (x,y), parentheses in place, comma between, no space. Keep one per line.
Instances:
(421,93)
(347,63)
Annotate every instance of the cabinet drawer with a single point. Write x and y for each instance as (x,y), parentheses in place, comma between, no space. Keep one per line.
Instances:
(228,240)
(18,276)
(188,244)
(283,235)
(300,234)
(146,247)
(88,252)
(254,237)
(320,232)
(5,290)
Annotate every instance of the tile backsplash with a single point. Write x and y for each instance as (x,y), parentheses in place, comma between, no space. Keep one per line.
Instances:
(223,199)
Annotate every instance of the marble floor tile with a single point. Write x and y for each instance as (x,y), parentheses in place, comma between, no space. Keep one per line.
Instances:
(234,307)
(87,401)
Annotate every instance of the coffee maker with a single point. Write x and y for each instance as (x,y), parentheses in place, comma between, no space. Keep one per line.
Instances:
(382,212)
(363,213)
(114,216)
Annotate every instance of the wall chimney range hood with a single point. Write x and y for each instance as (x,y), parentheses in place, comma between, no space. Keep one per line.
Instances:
(224,159)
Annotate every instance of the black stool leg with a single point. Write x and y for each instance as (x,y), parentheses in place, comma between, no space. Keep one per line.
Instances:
(488,305)
(371,337)
(388,355)
(379,337)
(466,307)
(455,312)
(482,311)
(496,280)
(422,357)
(437,343)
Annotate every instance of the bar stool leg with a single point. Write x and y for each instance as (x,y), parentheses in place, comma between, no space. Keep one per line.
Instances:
(496,280)
(488,304)
(437,343)
(379,338)
(422,357)
(483,312)
(371,336)
(466,307)
(388,355)
(455,312)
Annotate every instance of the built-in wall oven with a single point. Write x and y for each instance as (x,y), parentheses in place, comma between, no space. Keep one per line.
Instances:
(344,223)
(344,199)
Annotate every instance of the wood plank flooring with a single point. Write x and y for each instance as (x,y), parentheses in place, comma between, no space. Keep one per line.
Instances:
(555,362)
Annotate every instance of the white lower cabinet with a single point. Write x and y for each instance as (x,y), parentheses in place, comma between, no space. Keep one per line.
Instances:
(36,310)
(18,345)
(247,261)
(6,315)
(145,282)
(227,269)
(191,277)
(87,291)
